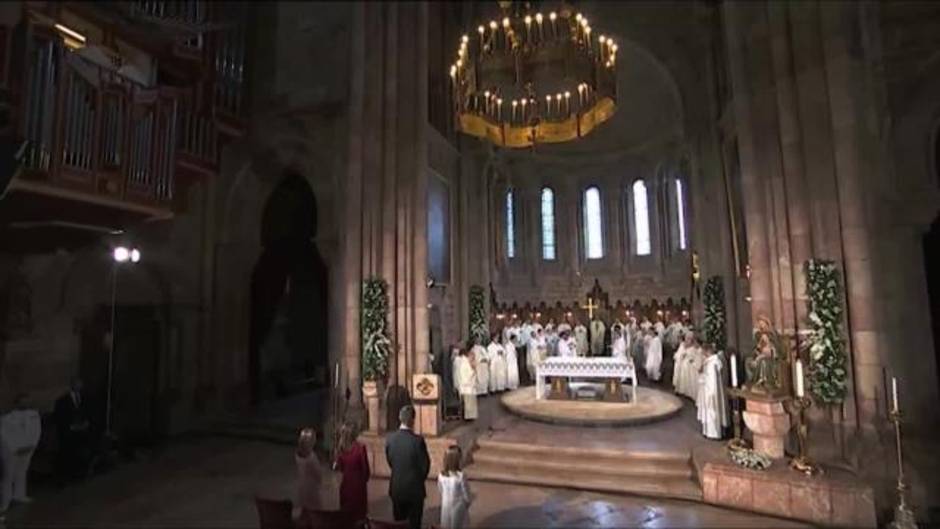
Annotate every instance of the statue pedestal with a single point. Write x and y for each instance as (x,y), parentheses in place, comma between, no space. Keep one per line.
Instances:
(767,419)
(371,390)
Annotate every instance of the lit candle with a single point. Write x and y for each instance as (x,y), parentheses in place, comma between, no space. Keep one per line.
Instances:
(548,106)
(601,45)
(552,16)
(580,96)
(514,104)
(528,28)
(734,371)
(799,378)
(481,30)
(499,109)
(506,31)
(568,103)
(538,20)
(894,394)
(524,101)
(493,40)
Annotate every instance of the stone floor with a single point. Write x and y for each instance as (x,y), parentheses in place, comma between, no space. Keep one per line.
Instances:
(210,482)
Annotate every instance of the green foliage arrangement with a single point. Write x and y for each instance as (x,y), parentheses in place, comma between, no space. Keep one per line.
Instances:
(827,372)
(715,320)
(374,320)
(479,325)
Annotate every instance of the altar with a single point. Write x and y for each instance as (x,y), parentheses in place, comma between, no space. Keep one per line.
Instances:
(611,370)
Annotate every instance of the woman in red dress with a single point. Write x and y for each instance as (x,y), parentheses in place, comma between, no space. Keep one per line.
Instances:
(353,462)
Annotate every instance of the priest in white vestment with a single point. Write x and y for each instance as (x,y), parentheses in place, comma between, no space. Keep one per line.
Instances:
(566,346)
(654,356)
(660,328)
(646,324)
(497,358)
(19,434)
(619,348)
(465,378)
(539,353)
(680,366)
(597,337)
(713,403)
(481,365)
(581,339)
(512,363)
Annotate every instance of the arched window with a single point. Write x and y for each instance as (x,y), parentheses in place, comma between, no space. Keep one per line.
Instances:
(548,224)
(680,213)
(510,226)
(641,218)
(593,235)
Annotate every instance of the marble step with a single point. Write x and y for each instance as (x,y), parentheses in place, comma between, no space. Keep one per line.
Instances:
(600,455)
(633,467)
(666,487)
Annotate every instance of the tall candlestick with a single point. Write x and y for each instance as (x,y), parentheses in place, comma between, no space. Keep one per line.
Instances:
(734,371)
(799,378)
(894,394)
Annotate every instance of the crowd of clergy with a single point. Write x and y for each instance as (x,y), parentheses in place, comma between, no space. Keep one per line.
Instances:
(510,358)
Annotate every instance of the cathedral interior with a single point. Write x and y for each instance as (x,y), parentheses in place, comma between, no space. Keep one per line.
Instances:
(196,199)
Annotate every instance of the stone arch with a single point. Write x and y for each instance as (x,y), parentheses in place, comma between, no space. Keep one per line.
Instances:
(288,332)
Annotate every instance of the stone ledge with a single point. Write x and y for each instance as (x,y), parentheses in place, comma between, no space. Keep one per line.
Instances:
(835,499)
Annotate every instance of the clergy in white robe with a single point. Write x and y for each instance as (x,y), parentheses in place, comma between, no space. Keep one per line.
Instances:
(680,374)
(481,365)
(713,405)
(538,353)
(19,435)
(581,339)
(597,337)
(619,348)
(512,364)
(498,368)
(654,357)
(465,378)
(660,328)
(646,325)
(566,346)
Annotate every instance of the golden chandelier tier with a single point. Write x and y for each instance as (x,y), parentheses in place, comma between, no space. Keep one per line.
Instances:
(534,78)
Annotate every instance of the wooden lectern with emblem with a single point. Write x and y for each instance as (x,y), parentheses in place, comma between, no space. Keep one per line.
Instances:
(426,394)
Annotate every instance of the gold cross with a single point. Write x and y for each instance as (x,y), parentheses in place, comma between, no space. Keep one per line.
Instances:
(590,307)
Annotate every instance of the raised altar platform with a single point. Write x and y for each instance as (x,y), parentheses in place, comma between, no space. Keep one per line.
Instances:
(651,405)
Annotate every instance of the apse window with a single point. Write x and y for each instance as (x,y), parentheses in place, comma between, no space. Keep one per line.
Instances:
(593,236)
(510,226)
(680,214)
(641,218)
(548,224)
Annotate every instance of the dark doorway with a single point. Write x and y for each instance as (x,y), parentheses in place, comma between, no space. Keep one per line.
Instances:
(288,345)
(932,264)
(138,341)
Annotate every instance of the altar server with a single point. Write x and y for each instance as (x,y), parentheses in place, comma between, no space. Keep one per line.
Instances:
(539,351)
(19,434)
(713,406)
(481,364)
(498,367)
(512,363)
(465,378)
(581,338)
(654,355)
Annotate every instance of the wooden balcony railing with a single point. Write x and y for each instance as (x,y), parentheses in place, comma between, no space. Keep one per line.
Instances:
(91,129)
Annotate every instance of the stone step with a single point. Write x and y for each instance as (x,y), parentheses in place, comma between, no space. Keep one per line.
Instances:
(605,455)
(634,467)
(666,487)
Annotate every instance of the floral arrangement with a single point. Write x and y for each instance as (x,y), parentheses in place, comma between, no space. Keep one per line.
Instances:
(827,372)
(748,458)
(374,326)
(479,326)
(714,318)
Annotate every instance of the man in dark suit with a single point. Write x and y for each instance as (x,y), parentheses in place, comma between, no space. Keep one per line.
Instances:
(407,456)
(74,432)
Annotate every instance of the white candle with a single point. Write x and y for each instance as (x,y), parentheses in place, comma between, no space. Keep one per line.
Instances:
(734,371)
(336,378)
(799,378)
(894,393)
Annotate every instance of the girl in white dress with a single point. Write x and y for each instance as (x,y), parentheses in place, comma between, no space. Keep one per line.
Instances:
(455,492)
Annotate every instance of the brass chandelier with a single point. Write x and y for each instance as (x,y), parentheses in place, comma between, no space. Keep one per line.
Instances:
(534,77)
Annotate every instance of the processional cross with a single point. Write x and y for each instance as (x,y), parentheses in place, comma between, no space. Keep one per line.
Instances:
(590,307)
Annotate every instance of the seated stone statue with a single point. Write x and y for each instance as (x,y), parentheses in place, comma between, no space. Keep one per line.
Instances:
(764,365)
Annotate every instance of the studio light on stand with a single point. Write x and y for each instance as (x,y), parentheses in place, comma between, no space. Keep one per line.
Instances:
(121,255)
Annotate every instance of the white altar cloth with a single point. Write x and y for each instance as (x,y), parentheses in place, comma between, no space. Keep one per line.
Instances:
(595,367)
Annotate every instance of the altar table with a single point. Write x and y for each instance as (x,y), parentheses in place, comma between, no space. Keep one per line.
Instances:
(614,369)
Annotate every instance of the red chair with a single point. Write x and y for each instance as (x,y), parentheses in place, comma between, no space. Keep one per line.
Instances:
(274,514)
(310,519)
(379,524)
